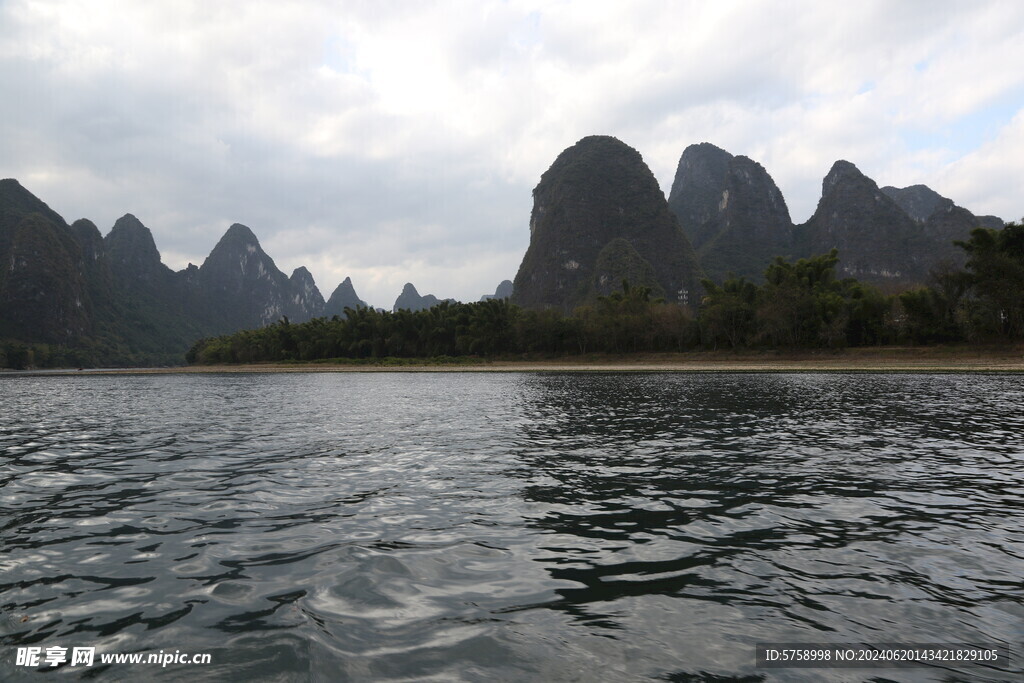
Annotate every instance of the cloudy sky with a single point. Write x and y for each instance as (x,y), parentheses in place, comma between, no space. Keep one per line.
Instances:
(400,141)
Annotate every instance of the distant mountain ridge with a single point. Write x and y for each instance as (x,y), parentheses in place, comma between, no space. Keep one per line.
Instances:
(344,296)
(598,218)
(113,299)
(411,300)
(891,237)
(242,287)
(502,291)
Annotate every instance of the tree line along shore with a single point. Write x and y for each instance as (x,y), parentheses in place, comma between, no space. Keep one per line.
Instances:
(800,306)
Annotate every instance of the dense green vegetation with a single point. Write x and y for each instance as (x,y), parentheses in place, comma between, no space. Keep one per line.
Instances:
(103,349)
(799,305)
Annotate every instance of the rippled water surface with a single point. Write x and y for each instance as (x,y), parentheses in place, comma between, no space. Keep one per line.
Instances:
(509,526)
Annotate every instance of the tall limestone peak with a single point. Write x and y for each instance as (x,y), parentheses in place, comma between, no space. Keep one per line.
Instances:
(697,190)
(306,301)
(132,251)
(344,296)
(302,277)
(732,211)
(242,286)
(43,290)
(239,234)
(410,300)
(237,250)
(845,173)
(89,239)
(878,241)
(16,202)
(150,308)
(43,293)
(238,258)
(596,191)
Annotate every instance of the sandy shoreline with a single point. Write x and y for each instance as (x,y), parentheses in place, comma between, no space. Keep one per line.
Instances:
(937,359)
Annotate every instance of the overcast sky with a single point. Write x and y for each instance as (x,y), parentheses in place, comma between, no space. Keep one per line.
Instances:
(400,141)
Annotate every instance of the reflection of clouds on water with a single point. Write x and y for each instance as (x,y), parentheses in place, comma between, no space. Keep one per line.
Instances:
(799,501)
(546,526)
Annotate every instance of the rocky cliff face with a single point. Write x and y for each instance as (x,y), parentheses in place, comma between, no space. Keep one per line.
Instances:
(947,223)
(15,203)
(878,241)
(923,203)
(240,284)
(891,237)
(991,222)
(597,191)
(44,293)
(942,221)
(732,211)
(151,309)
(305,300)
(134,258)
(95,269)
(919,201)
(344,296)
(90,241)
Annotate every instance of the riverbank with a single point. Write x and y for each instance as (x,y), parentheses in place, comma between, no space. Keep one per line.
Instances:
(873,359)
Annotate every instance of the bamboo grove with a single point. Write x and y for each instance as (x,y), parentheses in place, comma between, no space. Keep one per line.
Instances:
(799,305)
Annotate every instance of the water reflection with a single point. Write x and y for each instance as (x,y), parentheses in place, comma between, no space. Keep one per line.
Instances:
(847,508)
(511,527)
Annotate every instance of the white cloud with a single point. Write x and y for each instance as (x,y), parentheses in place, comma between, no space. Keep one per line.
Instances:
(990,175)
(407,136)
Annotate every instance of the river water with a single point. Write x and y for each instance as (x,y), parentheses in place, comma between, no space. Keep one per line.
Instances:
(514,526)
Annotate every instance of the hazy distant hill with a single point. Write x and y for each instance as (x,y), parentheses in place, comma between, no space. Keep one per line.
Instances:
(410,300)
(344,296)
(502,291)
(111,299)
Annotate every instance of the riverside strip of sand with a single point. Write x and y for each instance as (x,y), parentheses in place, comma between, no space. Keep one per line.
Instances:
(875,359)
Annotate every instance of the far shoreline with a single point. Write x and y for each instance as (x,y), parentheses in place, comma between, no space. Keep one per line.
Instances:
(863,359)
